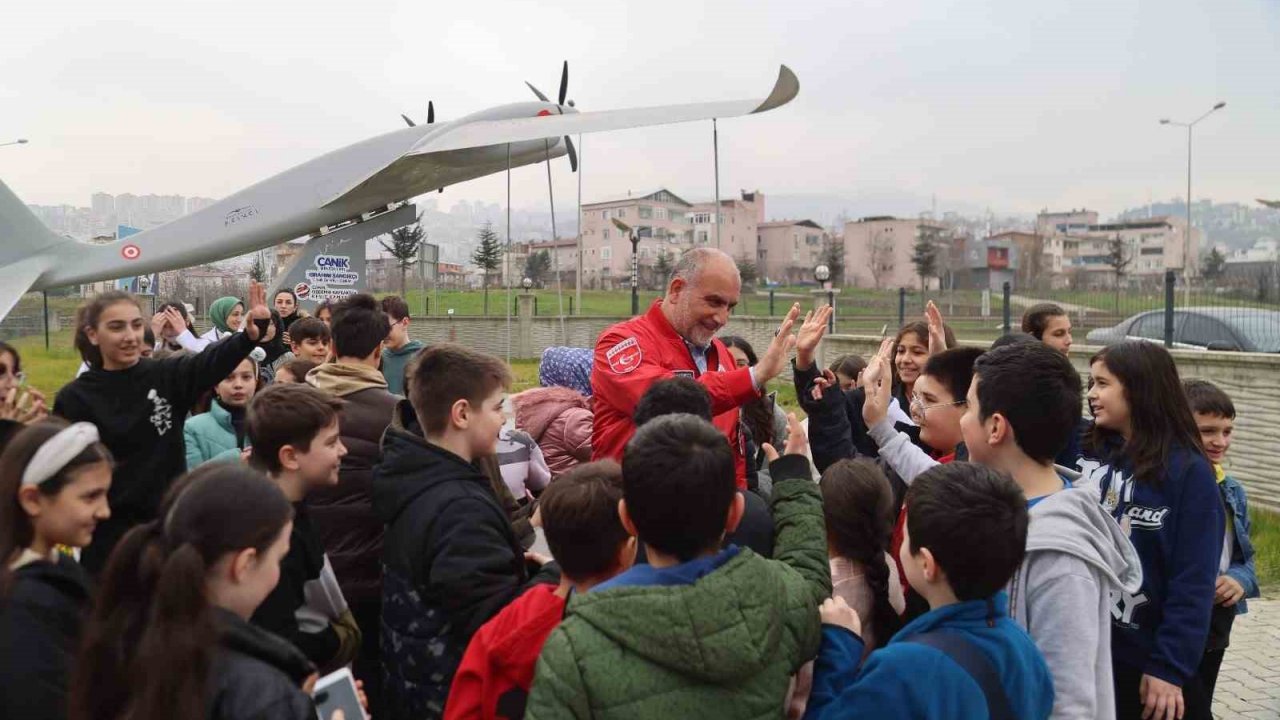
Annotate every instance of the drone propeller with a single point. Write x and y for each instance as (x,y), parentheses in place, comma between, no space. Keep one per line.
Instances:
(431,115)
(564,93)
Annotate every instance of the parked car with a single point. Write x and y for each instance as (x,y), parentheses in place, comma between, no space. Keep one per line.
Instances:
(1204,328)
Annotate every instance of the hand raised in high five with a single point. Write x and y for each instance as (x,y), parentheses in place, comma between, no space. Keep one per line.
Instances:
(257,310)
(811,332)
(775,357)
(937,331)
(797,441)
(871,375)
(877,381)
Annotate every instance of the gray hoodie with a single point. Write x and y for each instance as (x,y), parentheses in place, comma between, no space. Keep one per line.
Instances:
(1061,594)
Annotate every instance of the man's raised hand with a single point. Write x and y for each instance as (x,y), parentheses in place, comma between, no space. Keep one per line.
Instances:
(775,357)
(811,332)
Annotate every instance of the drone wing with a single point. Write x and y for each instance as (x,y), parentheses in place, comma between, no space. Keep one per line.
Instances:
(18,279)
(442,157)
(1270,203)
(498,132)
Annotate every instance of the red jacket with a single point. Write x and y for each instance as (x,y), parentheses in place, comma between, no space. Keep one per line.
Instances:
(632,355)
(497,670)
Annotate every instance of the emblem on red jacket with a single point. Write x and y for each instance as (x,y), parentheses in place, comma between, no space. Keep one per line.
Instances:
(624,357)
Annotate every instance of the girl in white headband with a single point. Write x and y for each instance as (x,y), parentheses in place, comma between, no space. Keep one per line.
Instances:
(54,479)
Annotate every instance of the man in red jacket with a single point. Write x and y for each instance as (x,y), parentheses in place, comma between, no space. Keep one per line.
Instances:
(677,337)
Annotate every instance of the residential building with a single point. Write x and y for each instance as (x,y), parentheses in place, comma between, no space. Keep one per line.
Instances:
(1150,246)
(789,250)
(987,264)
(878,251)
(1040,259)
(664,224)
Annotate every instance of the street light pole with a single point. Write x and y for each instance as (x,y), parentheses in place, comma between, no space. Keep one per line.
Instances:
(1186,242)
(635,266)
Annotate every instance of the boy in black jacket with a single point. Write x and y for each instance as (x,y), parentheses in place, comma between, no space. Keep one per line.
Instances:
(293,429)
(450,558)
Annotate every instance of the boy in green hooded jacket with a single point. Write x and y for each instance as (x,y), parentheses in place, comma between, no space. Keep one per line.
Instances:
(700,629)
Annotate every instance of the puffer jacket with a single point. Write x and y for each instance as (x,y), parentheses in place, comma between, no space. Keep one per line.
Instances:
(559,420)
(451,561)
(724,646)
(343,514)
(211,436)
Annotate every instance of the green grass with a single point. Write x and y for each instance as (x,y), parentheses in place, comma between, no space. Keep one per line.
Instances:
(1265,534)
(48,370)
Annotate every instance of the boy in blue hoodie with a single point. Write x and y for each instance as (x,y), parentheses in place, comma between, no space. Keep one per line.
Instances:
(965,535)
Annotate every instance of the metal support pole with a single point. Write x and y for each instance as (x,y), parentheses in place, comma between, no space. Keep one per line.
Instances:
(1186,236)
(46,319)
(902,307)
(1007,291)
(635,279)
(1169,280)
(831,320)
(770,302)
(577,276)
(715,144)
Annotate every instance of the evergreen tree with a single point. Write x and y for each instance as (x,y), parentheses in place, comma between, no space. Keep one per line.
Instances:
(537,267)
(404,247)
(925,256)
(662,268)
(1215,264)
(259,270)
(833,258)
(746,269)
(487,257)
(1119,259)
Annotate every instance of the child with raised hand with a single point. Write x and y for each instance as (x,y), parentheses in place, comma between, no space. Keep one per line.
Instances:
(1022,409)
(140,404)
(53,492)
(585,534)
(294,433)
(1237,580)
(450,558)
(964,658)
(226,315)
(219,434)
(700,630)
(18,403)
(1145,459)
(169,636)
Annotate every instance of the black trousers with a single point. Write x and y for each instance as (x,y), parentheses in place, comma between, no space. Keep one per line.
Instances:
(1129,702)
(368,663)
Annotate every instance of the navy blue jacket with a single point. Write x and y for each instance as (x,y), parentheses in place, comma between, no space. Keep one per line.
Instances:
(1177,529)
(910,680)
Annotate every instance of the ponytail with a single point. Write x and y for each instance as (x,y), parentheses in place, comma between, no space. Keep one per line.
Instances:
(857,503)
(149,643)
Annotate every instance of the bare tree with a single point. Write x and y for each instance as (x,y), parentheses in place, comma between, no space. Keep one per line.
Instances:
(1119,258)
(880,254)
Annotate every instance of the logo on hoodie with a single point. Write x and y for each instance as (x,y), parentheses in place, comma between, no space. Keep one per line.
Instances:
(161,412)
(1146,518)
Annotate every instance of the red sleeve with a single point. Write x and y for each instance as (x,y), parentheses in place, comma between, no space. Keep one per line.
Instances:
(471,681)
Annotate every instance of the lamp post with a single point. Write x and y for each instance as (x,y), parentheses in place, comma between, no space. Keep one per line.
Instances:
(526,283)
(1186,243)
(635,265)
(19,141)
(822,274)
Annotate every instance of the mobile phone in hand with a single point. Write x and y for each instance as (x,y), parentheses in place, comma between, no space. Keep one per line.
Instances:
(337,691)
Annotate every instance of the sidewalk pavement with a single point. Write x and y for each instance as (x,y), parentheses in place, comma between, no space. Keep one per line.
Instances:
(1249,683)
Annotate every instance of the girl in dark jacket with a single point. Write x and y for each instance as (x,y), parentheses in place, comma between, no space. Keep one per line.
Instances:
(170,635)
(53,491)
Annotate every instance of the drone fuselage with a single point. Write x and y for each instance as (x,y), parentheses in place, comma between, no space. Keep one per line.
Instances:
(323,192)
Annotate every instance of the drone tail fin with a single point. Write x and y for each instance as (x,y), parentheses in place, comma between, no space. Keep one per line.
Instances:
(21,232)
(23,238)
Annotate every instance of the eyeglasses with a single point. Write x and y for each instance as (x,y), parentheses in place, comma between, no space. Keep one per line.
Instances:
(20,377)
(919,408)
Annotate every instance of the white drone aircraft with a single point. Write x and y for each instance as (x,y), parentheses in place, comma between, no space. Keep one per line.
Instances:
(344,185)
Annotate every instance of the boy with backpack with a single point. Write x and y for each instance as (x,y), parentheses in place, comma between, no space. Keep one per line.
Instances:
(965,658)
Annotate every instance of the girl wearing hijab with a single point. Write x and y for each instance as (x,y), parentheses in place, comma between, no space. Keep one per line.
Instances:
(226,314)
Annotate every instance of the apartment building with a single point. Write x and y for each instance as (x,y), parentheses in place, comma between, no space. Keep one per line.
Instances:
(664,224)
(1084,257)
(878,251)
(789,250)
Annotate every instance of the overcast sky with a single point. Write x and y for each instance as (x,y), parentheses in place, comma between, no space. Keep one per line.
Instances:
(1008,103)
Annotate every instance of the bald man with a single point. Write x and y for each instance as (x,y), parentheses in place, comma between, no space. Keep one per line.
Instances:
(677,337)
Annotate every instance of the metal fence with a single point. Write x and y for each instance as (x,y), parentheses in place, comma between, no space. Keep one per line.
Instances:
(1203,317)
